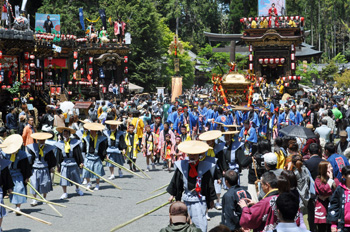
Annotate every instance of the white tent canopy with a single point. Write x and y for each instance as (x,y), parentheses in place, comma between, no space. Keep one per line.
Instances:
(135,88)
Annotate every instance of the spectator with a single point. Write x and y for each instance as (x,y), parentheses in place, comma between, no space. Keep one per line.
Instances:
(11,122)
(3,134)
(231,212)
(337,161)
(262,215)
(28,131)
(343,144)
(22,124)
(324,132)
(287,211)
(220,228)
(179,219)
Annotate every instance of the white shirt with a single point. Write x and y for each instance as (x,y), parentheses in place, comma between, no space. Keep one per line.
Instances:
(288,227)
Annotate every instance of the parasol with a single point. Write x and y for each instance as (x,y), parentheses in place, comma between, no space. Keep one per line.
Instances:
(298,131)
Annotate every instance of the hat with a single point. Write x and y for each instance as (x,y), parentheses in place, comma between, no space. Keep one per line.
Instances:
(139,107)
(62,128)
(343,134)
(270,158)
(335,106)
(41,135)
(230,132)
(12,144)
(309,126)
(210,135)
(193,147)
(94,126)
(178,212)
(113,122)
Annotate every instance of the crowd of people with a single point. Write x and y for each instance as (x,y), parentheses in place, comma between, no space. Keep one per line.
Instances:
(295,181)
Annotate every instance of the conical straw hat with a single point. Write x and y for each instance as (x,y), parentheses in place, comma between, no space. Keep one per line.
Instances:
(94,126)
(12,144)
(210,135)
(41,136)
(193,147)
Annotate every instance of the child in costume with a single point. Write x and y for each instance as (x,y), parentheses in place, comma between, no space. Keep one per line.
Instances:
(149,141)
(166,151)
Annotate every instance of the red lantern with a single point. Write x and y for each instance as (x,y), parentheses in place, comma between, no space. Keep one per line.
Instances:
(74,76)
(82,71)
(291,17)
(3,87)
(70,93)
(9,86)
(290,78)
(53,90)
(104,90)
(95,83)
(245,19)
(256,18)
(261,79)
(250,66)
(302,19)
(296,17)
(0,54)
(292,66)
(292,48)
(295,78)
(126,70)
(125,59)
(285,17)
(299,78)
(261,61)
(284,78)
(241,20)
(286,84)
(272,60)
(282,60)
(26,55)
(277,60)
(75,55)
(91,71)
(266,60)
(281,18)
(91,59)
(257,85)
(32,65)
(70,83)
(250,19)
(292,56)
(32,73)
(26,66)
(250,57)
(101,85)
(32,57)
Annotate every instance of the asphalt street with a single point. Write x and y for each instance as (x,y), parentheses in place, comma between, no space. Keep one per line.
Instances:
(106,208)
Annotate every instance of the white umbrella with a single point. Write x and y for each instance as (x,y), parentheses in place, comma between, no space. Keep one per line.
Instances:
(67,105)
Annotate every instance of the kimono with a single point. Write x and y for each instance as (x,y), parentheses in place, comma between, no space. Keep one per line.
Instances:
(69,159)
(295,118)
(162,138)
(221,119)
(182,185)
(116,144)
(264,123)
(253,119)
(166,151)
(132,143)
(20,170)
(149,142)
(248,137)
(263,215)
(185,137)
(95,150)
(42,160)
(274,125)
(188,121)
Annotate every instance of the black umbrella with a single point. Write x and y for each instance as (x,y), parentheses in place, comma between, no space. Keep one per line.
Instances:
(298,131)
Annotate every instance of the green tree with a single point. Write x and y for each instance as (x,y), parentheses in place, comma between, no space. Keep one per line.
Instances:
(343,80)
(329,71)
(307,74)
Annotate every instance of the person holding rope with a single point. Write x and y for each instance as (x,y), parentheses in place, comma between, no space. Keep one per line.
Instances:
(116,145)
(70,158)
(193,182)
(94,146)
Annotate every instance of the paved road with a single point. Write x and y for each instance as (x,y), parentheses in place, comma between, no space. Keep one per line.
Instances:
(104,209)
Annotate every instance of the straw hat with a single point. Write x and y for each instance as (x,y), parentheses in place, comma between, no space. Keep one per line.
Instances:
(12,144)
(113,122)
(230,132)
(62,128)
(210,135)
(41,135)
(219,123)
(309,126)
(94,126)
(193,147)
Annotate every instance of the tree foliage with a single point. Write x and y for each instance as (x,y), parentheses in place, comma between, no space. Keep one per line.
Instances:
(307,73)
(343,80)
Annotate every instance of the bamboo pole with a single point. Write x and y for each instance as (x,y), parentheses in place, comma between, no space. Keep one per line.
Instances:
(109,182)
(54,209)
(27,215)
(37,199)
(138,167)
(138,217)
(81,186)
(124,168)
(150,198)
(160,188)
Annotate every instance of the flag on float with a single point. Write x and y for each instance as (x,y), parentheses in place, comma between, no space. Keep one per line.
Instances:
(81,17)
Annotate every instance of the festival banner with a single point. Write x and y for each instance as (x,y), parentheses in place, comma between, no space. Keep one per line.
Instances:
(40,20)
(103,18)
(265,5)
(176,88)
(81,17)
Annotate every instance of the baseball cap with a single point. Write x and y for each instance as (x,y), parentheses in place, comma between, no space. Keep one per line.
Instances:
(270,158)
(178,212)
